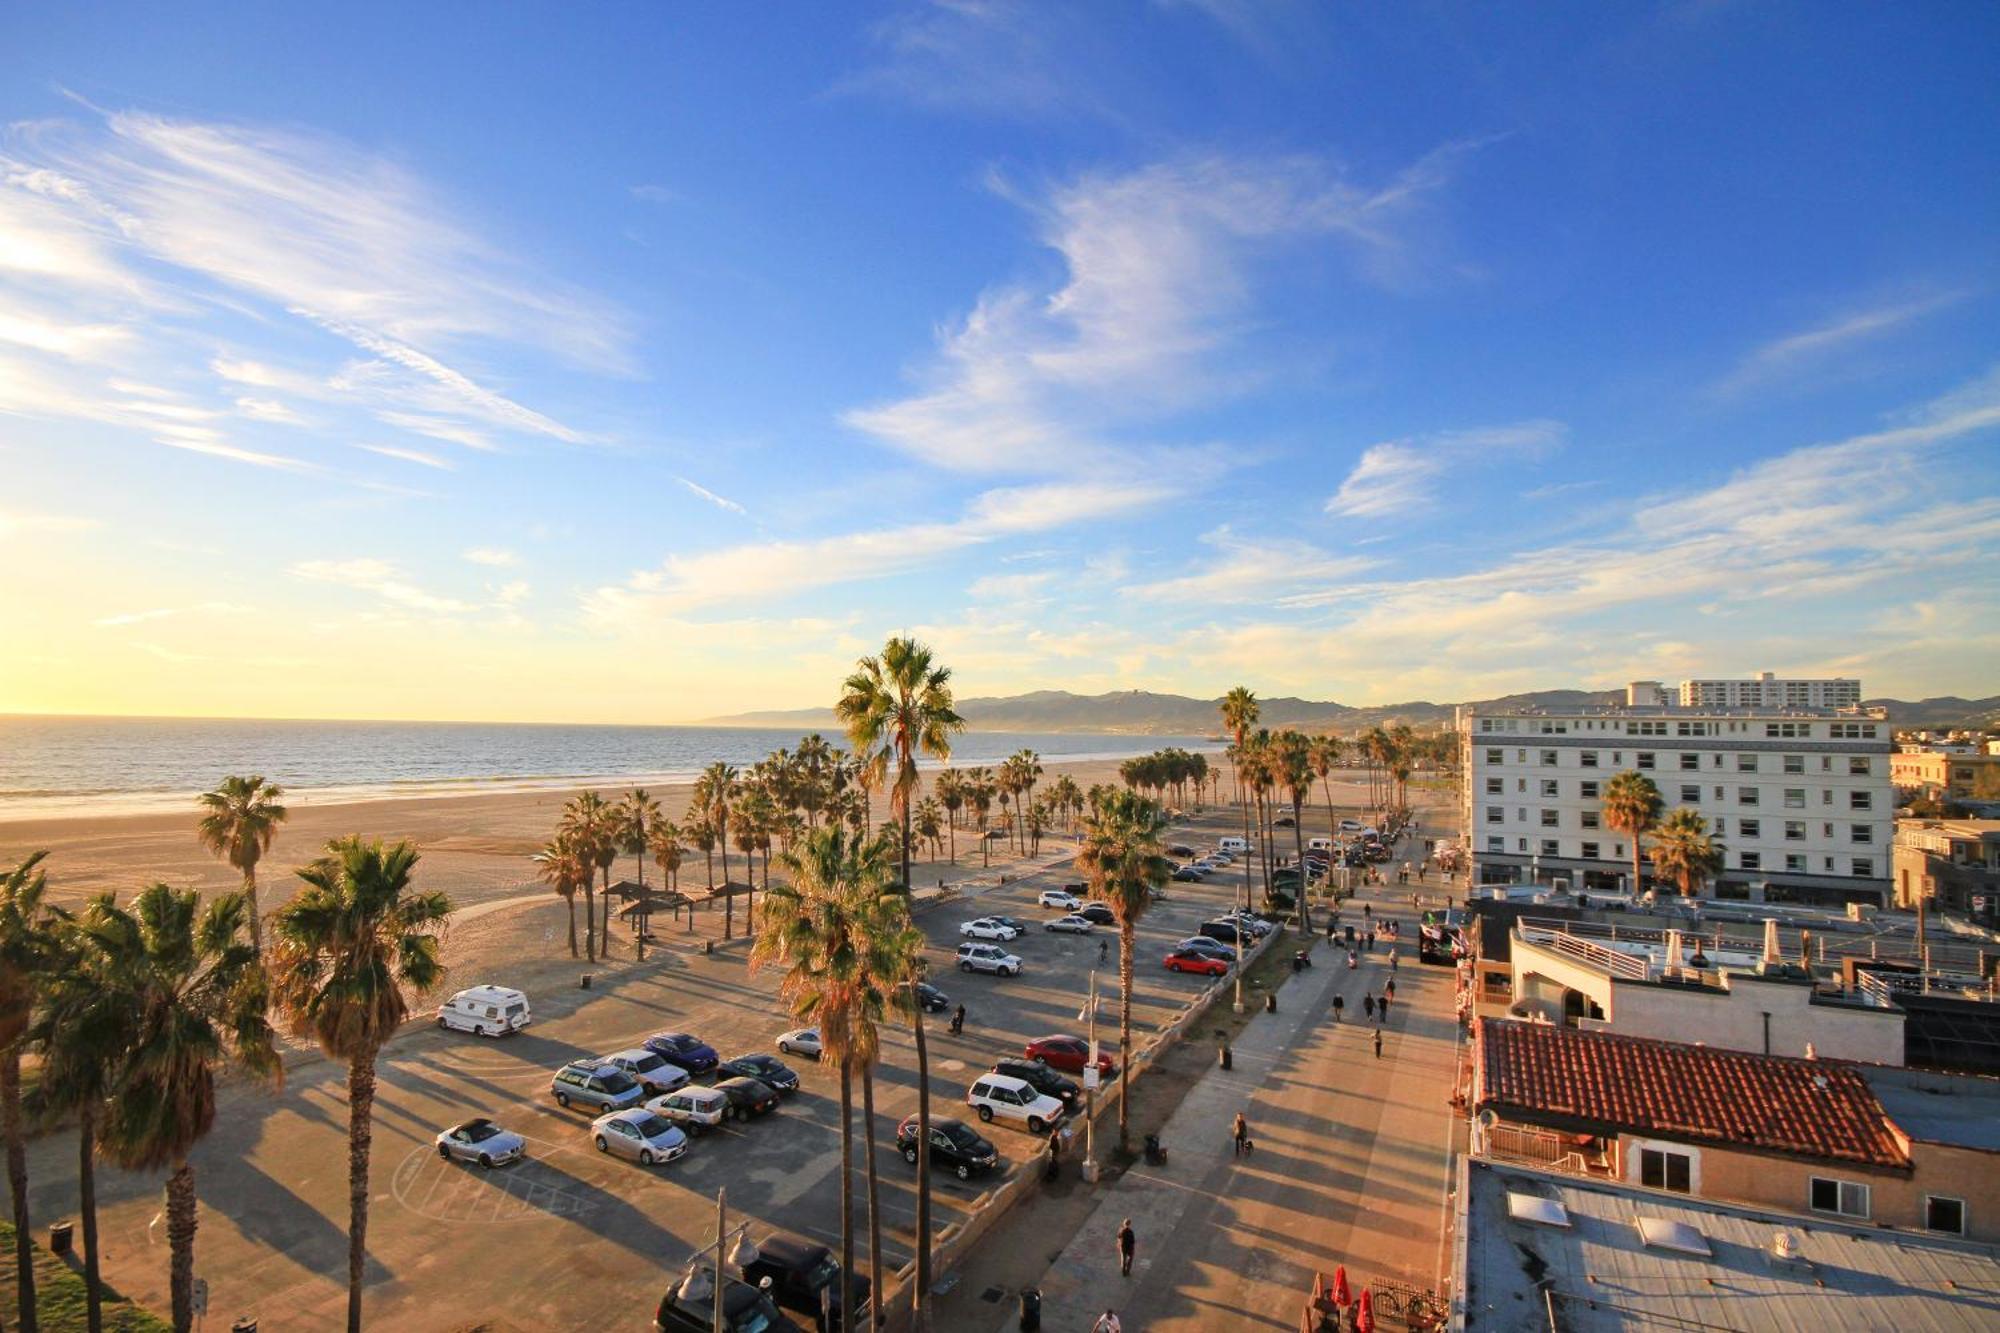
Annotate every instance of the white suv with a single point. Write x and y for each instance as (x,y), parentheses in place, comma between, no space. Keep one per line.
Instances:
(999,1096)
(1062,898)
(987,958)
(986,928)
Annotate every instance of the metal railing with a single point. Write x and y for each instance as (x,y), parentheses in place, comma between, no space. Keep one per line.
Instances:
(1588,952)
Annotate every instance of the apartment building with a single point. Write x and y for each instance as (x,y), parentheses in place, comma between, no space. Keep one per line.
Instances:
(1798,799)
(1768,691)
(1949,772)
(1951,864)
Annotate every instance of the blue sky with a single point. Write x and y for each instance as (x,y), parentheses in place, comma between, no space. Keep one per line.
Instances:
(645,363)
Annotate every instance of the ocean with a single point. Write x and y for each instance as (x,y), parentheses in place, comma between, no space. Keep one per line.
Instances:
(58,766)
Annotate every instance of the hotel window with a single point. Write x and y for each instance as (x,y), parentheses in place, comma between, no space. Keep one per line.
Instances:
(1860,833)
(1549,789)
(1550,847)
(1590,851)
(1690,795)
(1645,760)
(1520,756)
(1551,819)
(1749,828)
(1587,790)
(1826,830)
(1520,784)
(1796,863)
(1795,763)
(1746,796)
(1860,800)
(1588,759)
(1857,766)
(1495,815)
(1844,1197)
(1750,861)
(1795,830)
(1663,1170)
(1863,867)
(1617,758)
(1690,760)
(1496,845)
(1548,759)
(1721,826)
(1716,761)
(1521,845)
(1795,798)
(1496,756)
(1495,786)
(1826,796)
(1944,1214)
(1746,763)
(1589,818)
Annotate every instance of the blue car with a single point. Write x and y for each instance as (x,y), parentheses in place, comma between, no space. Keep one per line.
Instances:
(684,1049)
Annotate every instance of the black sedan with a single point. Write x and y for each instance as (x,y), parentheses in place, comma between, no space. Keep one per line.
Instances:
(933,1000)
(955,1147)
(1043,1080)
(1188,875)
(766,1069)
(1098,913)
(748,1097)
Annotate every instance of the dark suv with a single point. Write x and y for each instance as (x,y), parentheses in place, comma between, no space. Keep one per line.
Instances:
(1043,1080)
(804,1277)
(690,1305)
(955,1147)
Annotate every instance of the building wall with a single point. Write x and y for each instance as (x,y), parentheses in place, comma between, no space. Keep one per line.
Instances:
(1932,772)
(1798,800)
(1735,1019)
(1769,691)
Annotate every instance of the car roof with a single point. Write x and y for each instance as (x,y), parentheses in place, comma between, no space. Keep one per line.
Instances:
(790,1251)
(1004,1081)
(636,1053)
(633,1113)
(489,993)
(474,1123)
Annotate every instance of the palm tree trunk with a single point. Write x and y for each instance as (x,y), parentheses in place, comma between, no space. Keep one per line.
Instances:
(604,929)
(590,918)
(250,905)
(1124,1031)
(86,1189)
(846,1293)
(920,1296)
(874,1202)
(17,1182)
(360,1136)
(181,1222)
(951,825)
(570,898)
(1299,841)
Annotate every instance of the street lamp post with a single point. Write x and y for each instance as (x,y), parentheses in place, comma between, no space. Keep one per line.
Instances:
(1090,1085)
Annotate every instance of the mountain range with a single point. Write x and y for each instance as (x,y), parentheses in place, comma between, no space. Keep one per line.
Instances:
(1141,712)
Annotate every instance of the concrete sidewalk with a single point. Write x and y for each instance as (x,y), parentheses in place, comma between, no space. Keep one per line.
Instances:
(1351,1163)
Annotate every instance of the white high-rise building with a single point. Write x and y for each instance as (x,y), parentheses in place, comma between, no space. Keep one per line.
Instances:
(1797,798)
(1769,691)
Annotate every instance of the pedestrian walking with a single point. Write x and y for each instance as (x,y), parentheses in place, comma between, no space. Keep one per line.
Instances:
(1392,959)
(1382,1010)
(1368,911)
(1055,1154)
(1368,1005)
(1128,1241)
(1332,928)
(1107,1323)
(1338,1005)
(958,1021)
(1378,1043)
(1371,941)
(1103,950)
(1389,991)
(1239,1134)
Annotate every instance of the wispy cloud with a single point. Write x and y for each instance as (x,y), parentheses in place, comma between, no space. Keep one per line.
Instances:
(1796,351)
(492,555)
(35,525)
(167,612)
(408,456)
(1251,571)
(1402,476)
(268,409)
(382,579)
(719,501)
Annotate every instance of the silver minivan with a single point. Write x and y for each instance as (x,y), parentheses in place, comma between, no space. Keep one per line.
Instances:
(600,1087)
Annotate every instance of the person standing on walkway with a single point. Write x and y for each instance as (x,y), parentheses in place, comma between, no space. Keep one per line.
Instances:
(1371,941)
(1368,1004)
(1240,1133)
(1389,991)
(1338,1005)
(1128,1241)
(1382,1010)
(1378,1043)
(1107,1323)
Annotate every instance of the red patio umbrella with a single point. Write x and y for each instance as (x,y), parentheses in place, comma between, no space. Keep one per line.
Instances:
(1341,1296)
(1364,1313)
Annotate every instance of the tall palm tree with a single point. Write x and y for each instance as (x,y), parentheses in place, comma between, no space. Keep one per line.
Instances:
(189,979)
(1292,765)
(562,868)
(815,760)
(950,791)
(354,947)
(1239,714)
(894,706)
(664,841)
(1683,849)
(1632,804)
(637,814)
(1122,861)
(239,819)
(592,826)
(929,823)
(1028,765)
(717,789)
(24,959)
(1324,754)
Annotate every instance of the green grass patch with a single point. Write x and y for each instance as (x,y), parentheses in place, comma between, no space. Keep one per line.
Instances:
(59,1294)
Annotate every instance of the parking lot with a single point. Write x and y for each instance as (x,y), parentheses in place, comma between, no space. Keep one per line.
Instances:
(570,1238)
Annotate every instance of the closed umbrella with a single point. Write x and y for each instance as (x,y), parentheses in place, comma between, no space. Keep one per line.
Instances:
(1364,1314)
(1341,1296)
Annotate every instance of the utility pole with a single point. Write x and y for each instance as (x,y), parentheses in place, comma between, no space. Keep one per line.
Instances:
(721,1227)
(1090,1086)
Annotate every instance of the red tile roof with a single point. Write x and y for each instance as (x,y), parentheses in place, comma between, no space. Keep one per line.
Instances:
(1694,1094)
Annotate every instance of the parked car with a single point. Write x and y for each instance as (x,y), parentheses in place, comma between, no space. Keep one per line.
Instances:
(986,928)
(1283,821)
(748,1097)
(1194,960)
(483,1142)
(998,1097)
(955,1147)
(987,958)
(638,1135)
(689,1307)
(1350,826)
(1020,926)
(1180,849)
(1213,948)
(693,1108)
(930,998)
(766,1069)
(1099,913)
(598,1087)
(1062,898)
(1258,925)
(1190,875)
(1229,932)
(1043,1080)
(1070,925)
(805,1276)
(1069,1054)
(803,1041)
(486,1011)
(653,1071)
(684,1049)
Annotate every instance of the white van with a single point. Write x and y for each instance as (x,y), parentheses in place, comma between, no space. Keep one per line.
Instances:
(1232,845)
(1319,844)
(486,1011)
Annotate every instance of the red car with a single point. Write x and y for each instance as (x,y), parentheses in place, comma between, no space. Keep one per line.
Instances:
(1069,1054)
(1188,960)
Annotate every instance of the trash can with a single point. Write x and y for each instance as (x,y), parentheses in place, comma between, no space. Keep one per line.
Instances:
(1228,1058)
(1270,1003)
(245,1325)
(59,1236)
(1031,1310)
(585,983)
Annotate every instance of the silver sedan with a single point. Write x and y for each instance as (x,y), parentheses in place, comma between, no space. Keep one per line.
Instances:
(1073,924)
(638,1134)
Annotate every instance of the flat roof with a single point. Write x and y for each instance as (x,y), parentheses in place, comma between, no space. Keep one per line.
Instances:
(1961,1110)
(1600,1274)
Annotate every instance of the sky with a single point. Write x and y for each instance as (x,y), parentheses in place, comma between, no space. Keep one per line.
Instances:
(646,363)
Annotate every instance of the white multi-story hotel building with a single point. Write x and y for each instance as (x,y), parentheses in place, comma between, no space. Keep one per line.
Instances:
(1798,799)
(1768,691)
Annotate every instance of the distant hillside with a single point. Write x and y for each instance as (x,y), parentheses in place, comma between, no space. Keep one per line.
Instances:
(1143,713)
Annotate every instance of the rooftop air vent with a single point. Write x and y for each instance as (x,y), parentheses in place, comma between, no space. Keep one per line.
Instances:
(1660,1234)
(1537,1210)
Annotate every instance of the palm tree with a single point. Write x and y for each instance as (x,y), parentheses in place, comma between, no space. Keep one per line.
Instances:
(1028,765)
(239,819)
(893,706)
(815,760)
(1324,755)
(1632,804)
(1683,849)
(716,789)
(637,814)
(979,792)
(592,826)
(1122,861)
(195,996)
(1292,765)
(354,947)
(24,958)
(563,869)
(929,823)
(950,791)
(665,843)
(1239,714)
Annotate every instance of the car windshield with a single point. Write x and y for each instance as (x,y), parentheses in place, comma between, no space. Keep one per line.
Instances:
(651,1127)
(617,1080)
(647,1063)
(961,1136)
(758,1062)
(676,1041)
